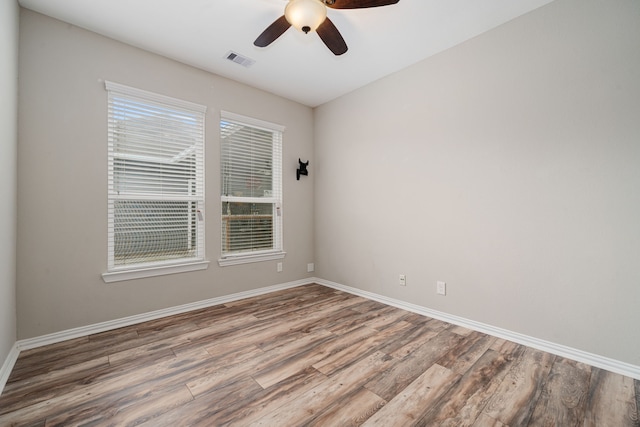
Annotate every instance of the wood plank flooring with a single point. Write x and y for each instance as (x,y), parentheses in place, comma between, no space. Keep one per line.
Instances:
(311,356)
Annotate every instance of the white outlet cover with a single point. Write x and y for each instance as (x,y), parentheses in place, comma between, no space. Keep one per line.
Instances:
(311,267)
(441,288)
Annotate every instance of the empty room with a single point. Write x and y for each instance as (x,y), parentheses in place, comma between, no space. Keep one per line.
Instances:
(320,212)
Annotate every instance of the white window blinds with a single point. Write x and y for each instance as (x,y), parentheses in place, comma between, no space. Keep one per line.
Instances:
(251,180)
(155,179)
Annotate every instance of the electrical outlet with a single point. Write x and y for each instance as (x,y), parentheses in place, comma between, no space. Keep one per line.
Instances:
(279,267)
(441,288)
(403,280)
(311,267)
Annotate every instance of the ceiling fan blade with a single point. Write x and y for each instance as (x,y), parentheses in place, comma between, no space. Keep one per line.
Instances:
(358,4)
(272,32)
(330,36)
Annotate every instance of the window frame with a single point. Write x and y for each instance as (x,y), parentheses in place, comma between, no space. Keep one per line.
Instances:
(277,251)
(196,262)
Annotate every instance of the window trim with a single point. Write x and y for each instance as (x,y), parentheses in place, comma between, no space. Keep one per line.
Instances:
(246,259)
(117,273)
(158,270)
(268,254)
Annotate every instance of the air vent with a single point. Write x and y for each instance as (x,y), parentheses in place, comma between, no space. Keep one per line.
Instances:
(239,59)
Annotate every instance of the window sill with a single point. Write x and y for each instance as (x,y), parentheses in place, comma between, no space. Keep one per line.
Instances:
(118,276)
(246,259)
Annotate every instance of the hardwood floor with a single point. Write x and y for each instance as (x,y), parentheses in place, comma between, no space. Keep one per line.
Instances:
(309,356)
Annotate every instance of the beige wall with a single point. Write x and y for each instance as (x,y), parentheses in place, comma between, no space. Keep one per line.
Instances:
(509,167)
(62,175)
(8,162)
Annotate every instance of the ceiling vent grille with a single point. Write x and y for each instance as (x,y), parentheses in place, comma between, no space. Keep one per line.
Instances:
(239,59)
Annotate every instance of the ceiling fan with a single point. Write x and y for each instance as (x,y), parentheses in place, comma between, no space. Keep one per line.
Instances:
(311,15)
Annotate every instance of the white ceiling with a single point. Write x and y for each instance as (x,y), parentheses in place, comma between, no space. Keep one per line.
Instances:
(296,66)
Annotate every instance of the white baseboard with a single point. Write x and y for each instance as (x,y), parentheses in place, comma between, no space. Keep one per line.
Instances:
(598,361)
(608,364)
(8,365)
(153,315)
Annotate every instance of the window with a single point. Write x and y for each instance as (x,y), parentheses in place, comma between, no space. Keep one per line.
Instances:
(251,193)
(155,184)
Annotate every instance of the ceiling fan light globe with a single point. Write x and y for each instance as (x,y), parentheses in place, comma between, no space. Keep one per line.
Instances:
(305,15)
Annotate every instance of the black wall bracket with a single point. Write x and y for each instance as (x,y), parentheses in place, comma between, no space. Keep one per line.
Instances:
(302,169)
